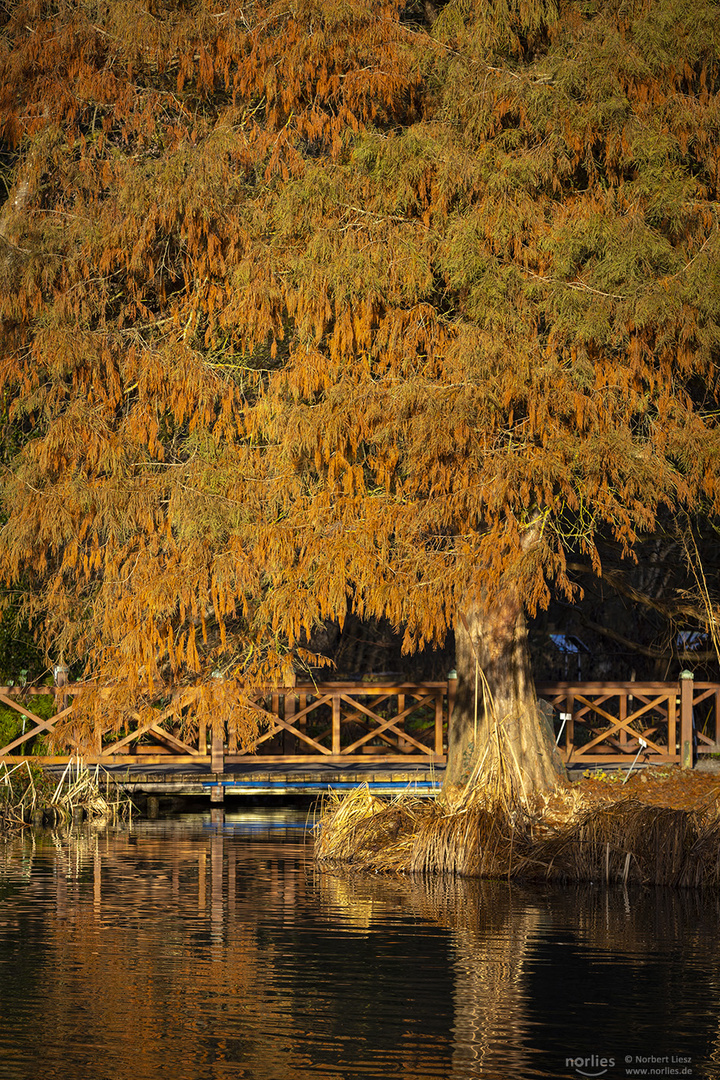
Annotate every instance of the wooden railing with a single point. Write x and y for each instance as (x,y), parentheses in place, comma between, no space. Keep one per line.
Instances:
(340,723)
(335,723)
(609,722)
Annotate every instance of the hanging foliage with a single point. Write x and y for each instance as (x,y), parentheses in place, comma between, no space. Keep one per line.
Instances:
(340,307)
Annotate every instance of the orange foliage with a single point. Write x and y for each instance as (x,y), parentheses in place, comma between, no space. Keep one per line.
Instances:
(314,308)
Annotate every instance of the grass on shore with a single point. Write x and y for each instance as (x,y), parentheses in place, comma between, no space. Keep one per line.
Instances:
(27,791)
(661,828)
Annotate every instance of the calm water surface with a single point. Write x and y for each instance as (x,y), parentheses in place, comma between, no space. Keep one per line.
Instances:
(186,949)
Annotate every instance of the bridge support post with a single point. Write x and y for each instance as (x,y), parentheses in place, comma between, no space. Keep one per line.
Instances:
(217,754)
(686,719)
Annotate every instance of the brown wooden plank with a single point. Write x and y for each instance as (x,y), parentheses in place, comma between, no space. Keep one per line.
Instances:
(370,688)
(335,759)
(617,759)
(651,688)
(119,759)
(143,760)
(20,691)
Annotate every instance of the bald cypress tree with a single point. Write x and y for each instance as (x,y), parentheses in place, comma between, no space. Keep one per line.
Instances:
(339,308)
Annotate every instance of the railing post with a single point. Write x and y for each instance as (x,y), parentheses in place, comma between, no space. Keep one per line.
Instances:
(60,678)
(686,719)
(336,724)
(217,745)
(402,744)
(291,744)
(452,682)
(438,722)
(569,727)
(217,754)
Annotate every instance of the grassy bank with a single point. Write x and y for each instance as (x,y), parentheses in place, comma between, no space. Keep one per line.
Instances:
(661,828)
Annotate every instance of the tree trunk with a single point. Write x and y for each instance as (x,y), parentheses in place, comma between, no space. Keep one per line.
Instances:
(497,732)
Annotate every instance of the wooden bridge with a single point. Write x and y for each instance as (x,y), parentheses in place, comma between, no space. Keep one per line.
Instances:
(364,723)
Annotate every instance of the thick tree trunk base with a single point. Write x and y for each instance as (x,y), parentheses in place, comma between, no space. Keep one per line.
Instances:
(498,738)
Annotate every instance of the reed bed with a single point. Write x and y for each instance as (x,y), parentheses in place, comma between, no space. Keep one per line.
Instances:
(574,836)
(29,796)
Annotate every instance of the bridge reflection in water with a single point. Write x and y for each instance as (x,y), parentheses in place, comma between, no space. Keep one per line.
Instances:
(180,949)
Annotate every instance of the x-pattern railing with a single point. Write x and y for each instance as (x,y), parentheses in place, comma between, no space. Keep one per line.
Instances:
(404,722)
(336,722)
(613,722)
(373,717)
(39,725)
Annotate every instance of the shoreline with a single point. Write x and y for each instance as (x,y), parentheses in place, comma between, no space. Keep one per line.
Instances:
(661,827)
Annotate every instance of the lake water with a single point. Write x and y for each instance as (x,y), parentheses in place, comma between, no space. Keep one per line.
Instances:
(190,950)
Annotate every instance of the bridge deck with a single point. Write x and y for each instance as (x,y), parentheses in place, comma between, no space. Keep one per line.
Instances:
(260,780)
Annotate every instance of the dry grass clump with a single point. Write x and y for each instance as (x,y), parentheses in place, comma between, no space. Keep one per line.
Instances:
(28,795)
(21,790)
(577,834)
(409,834)
(374,833)
(480,829)
(628,841)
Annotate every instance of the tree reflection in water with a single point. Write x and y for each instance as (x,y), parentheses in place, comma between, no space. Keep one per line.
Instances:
(180,949)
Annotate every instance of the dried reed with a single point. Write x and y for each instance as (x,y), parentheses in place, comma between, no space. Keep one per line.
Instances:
(478,835)
(27,794)
(409,834)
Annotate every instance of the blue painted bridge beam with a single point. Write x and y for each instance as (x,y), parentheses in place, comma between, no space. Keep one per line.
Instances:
(320,787)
